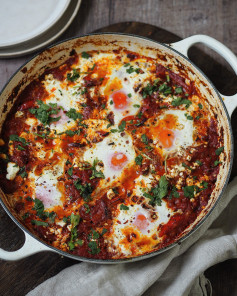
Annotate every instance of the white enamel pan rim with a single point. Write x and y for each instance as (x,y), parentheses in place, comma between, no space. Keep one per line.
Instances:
(34,245)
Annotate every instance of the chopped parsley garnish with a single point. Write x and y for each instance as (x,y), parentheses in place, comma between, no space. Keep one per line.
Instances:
(186,166)
(95,173)
(39,223)
(200,106)
(72,113)
(120,129)
(39,208)
(111,102)
(167,78)
(139,159)
(180,101)
(131,69)
(189,117)
(70,171)
(216,162)
(94,249)
(178,90)
(93,243)
(22,172)
(219,150)
(190,191)
(74,219)
(165,89)
(20,148)
(73,76)
(18,139)
(85,55)
(103,106)
(87,208)
(136,106)
(26,215)
(85,190)
(149,90)
(199,162)
(158,192)
(129,95)
(71,133)
(104,230)
(123,207)
(144,139)
(174,193)
(44,112)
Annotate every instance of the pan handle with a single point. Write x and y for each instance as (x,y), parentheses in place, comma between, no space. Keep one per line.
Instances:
(30,247)
(183,46)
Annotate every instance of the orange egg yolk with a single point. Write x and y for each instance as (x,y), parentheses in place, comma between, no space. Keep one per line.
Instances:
(166,137)
(164,130)
(141,222)
(120,100)
(118,160)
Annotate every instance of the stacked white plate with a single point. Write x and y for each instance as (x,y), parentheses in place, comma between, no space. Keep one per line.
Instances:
(28,25)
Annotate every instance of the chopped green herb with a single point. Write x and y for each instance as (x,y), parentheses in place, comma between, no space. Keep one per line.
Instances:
(104,230)
(85,190)
(180,101)
(95,173)
(165,89)
(111,102)
(200,106)
(122,126)
(20,148)
(199,162)
(18,139)
(167,78)
(73,76)
(219,150)
(103,106)
(136,106)
(186,166)
(72,113)
(129,95)
(87,208)
(174,193)
(190,191)
(22,172)
(178,90)
(216,162)
(123,207)
(144,139)
(85,55)
(94,249)
(74,219)
(139,159)
(39,223)
(44,112)
(131,69)
(26,215)
(70,171)
(149,90)
(189,117)
(158,192)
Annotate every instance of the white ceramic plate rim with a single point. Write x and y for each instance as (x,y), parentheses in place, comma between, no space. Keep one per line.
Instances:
(36,43)
(55,15)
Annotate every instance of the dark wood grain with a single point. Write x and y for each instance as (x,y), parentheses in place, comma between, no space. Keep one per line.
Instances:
(215,18)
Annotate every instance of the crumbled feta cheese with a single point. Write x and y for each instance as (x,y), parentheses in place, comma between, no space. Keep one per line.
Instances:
(12,170)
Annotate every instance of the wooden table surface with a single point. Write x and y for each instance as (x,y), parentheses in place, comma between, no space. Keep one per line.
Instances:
(178,19)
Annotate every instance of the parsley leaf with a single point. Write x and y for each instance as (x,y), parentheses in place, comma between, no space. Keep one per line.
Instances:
(158,192)
(219,150)
(44,112)
(72,113)
(174,193)
(139,159)
(22,172)
(18,139)
(216,162)
(73,76)
(189,117)
(178,90)
(39,223)
(94,249)
(180,101)
(123,207)
(144,139)
(95,173)
(85,55)
(199,162)
(85,190)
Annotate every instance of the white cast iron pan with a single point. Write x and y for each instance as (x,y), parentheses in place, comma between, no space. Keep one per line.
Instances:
(175,53)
